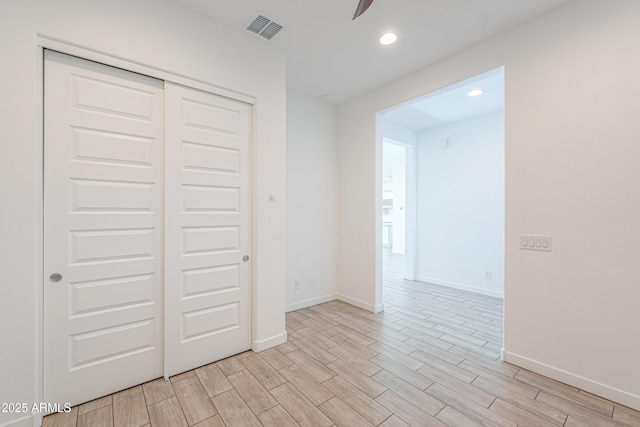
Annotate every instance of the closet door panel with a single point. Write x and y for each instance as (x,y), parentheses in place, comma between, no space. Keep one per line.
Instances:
(103,225)
(207,228)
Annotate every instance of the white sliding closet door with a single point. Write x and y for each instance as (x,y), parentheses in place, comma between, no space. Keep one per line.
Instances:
(146,235)
(103,220)
(207,230)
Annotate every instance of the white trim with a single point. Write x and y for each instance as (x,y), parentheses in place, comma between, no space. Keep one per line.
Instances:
(586,384)
(260,345)
(253,223)
(461,286)
(410,278)
(310,302)
(38,357)
(378,286)
(29,421)
(361,304)
(129,65)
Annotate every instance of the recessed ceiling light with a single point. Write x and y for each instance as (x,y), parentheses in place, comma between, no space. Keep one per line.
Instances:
(388,38)
(476,92)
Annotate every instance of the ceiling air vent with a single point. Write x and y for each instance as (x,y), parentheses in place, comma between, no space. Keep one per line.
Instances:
(263,26)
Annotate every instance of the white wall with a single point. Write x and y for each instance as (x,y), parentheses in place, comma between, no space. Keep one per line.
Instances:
(460,199)
(157,34)
(312,196)
(399,133)
(571,157)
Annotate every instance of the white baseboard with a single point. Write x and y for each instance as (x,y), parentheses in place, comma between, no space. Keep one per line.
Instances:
(461,286)
(28,421)
(310,302)
(409,277)
(594,387)
(366,306)
(260,345)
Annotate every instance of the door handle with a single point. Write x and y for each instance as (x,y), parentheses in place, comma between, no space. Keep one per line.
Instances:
(245,258)
(55,277)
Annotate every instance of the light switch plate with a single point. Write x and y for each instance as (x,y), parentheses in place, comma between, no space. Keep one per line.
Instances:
(535,242)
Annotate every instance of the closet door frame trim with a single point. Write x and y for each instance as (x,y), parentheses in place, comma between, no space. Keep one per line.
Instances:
(43,43)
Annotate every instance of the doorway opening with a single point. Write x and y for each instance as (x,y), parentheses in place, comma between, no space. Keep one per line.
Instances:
(442,196)
(398,208)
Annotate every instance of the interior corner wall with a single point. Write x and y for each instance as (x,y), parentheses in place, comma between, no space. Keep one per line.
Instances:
(460,205)
(163,36)
(312,201)
(571,151)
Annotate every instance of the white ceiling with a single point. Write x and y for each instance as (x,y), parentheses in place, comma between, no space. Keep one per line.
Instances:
(328,52)
(451,104)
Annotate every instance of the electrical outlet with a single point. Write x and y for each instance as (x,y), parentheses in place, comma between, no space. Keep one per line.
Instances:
(487,274)
(296,285)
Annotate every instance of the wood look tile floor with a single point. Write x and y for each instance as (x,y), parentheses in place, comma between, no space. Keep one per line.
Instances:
(430,359)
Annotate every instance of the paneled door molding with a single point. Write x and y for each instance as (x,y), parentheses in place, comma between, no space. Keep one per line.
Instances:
(207,228)
(103,226)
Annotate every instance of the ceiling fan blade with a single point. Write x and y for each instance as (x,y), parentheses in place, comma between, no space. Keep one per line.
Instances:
(362,7)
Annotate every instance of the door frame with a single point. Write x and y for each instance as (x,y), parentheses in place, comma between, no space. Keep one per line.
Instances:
(43,43)
(379,141)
